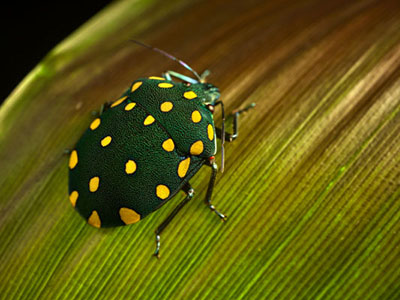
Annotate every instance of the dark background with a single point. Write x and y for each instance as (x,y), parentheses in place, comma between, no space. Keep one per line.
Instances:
(30,31)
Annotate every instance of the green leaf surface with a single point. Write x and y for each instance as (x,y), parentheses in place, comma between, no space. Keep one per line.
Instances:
(311,186)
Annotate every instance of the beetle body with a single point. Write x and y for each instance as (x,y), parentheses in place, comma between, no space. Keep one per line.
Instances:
(141,151)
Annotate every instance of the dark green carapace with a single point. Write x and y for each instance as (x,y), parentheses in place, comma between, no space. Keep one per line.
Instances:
(141,151)
(143,148)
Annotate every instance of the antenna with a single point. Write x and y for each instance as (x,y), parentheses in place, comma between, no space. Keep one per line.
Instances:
(182,63)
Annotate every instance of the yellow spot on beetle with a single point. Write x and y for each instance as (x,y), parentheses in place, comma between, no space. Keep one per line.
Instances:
(156,78)
(135,86)
(119,101)
(168,145)
(166,106)
(197,148)
(190,95)
(128,216)
(130,167)
(210,132)
(196,116)
(130,106)
(183,167)
(106,141)
(94,184)
(95,124)
(149,120)
(162,191)
(165,85)
(73,197)
(73,159)
(94,219)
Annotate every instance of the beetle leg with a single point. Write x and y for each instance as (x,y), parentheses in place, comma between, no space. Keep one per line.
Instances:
(190,192)
(105,106)
(169,74)
(229,137)
(204,75)
(214,170)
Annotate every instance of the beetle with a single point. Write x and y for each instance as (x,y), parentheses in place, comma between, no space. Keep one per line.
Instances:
(142,149)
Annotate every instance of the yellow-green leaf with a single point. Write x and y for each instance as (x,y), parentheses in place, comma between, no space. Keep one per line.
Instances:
(311,186)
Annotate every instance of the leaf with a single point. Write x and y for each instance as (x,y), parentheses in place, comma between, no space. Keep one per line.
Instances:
(311,186)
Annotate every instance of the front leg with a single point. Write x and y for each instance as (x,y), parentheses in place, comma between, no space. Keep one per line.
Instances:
(221,134)
(229,137)
(169,74)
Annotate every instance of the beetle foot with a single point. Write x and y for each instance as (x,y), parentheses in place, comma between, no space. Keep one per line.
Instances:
(157,252)
(239,111)
(221,215)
